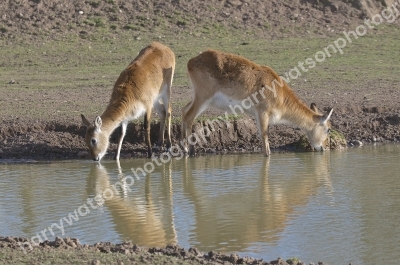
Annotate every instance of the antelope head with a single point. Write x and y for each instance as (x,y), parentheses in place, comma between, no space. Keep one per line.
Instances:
(318,134)
(96,139)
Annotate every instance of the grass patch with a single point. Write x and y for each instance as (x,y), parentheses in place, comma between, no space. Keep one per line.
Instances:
(94,3)
(293,261)
(337,140)
(132,27)
(95,22)
(76,64)
(372,56)
(3,29)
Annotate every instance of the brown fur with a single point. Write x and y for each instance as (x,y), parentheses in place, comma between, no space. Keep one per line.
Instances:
(146,81)
(215,75)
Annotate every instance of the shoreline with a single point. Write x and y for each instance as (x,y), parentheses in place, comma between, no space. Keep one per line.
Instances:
(64,140)
(129,251)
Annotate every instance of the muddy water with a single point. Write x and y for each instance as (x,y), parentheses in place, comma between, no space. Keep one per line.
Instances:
(339,207)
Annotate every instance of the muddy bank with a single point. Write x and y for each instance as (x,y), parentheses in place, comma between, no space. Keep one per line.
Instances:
(64,140)
(11,246)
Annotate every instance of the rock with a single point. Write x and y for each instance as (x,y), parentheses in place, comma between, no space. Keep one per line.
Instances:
(9,239)
(77,242)
(279,261)
(234,2)
(58,242)
(234,258)
(70,242)
(195,251)
(211,151)
(105,249)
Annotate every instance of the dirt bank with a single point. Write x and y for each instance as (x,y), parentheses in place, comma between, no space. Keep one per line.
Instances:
(64,140)
(359,115)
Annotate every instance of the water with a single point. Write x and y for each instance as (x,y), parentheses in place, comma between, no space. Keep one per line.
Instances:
(338,207)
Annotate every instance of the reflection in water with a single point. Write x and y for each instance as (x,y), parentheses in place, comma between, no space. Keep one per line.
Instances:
(238,201)
(136,218)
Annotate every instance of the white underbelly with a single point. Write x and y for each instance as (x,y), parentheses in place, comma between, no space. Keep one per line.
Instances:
(276,118)
(136,113)
(225,103)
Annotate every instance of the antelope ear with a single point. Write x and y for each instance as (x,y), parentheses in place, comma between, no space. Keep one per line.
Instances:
(326,116)
(314,108)
(97,123)
(85,121)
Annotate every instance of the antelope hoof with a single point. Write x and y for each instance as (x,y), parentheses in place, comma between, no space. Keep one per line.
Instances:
(149,152)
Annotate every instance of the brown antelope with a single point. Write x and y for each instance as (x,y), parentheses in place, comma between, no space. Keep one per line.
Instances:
(141,86)
(230,82)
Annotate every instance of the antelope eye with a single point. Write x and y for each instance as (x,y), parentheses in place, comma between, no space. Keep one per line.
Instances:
(94,141)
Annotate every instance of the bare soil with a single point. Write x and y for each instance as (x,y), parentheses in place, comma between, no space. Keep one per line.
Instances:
(274,17)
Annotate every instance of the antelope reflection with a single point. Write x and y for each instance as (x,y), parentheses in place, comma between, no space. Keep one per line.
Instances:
(135,214)
(255,202)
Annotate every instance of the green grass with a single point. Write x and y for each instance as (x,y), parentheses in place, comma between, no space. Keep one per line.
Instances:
(76,64)
(50,62)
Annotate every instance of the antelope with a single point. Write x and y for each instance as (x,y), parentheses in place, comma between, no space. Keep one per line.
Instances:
(230,82)
(145,82)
